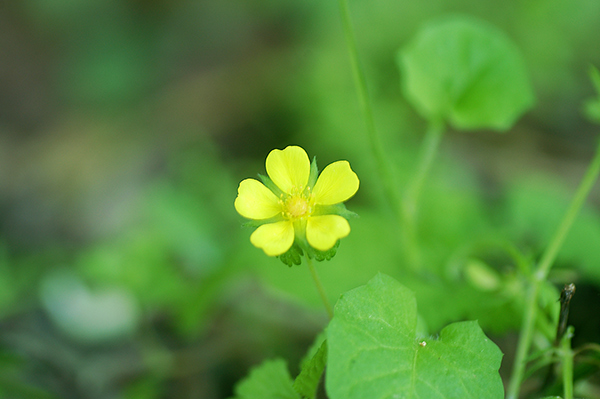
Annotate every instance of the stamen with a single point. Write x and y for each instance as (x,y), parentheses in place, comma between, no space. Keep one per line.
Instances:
(298,204)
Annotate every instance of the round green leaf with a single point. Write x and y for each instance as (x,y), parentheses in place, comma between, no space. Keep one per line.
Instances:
(467,73)
(374,351)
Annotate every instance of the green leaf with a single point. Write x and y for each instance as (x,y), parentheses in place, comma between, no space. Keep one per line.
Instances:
(307,382)
(375,353)
(467,73)
(270,380)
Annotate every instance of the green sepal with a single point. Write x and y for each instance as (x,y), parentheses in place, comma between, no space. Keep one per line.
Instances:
(293,256)
(266,180)
(259,222)
(337,209)
(320,256)
(314,173)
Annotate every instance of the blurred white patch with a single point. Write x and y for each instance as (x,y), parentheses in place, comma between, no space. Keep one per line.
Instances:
(91,317)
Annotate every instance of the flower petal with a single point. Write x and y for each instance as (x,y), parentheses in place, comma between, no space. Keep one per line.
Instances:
(255,201)
(337,183)
(288,168)
(322,232)
(274,238)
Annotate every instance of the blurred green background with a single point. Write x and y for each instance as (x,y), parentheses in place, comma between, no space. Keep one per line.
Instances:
(126,126)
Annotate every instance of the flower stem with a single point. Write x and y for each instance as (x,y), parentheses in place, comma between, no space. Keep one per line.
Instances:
(383,168)
(320,289)
(540,275)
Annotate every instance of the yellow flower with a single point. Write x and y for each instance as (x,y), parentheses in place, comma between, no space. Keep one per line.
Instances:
(297,206)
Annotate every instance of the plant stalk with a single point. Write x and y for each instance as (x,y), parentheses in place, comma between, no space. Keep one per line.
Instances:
(567,364)
(429,150)
(383,168)
(541,273)
(404,208)
(320,289)
(410,202)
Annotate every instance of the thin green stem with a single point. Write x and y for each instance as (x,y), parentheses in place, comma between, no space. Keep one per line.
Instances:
(541,273)
(429,149)
(404,210)
(582,192)
(410,202)
(525,337)
(383,167)
(320,289)
(567,364)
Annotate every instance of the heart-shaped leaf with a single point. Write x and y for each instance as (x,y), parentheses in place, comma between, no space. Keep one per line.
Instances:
(466,73)
(374,351)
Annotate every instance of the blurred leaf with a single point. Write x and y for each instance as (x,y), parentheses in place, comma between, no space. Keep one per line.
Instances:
(370,247)
(452,214)
(442,301)
(595,77)
(20,276)
(592,106)
(467,73)
(374,351)
(8,289)
(12,385)
(270,380)
(307,382)
(314,348)
(145,388)
(481,276)
(172,260)
(139,261)
(11,388)
(87,316)
(535,207)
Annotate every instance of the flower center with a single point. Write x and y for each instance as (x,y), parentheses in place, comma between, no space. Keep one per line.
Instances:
(297,205)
